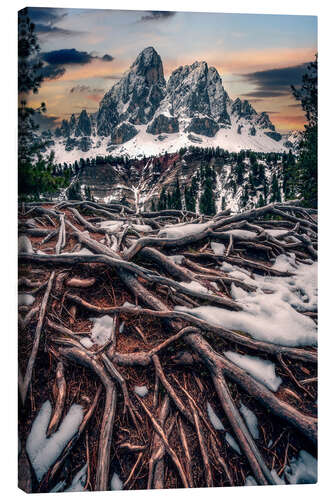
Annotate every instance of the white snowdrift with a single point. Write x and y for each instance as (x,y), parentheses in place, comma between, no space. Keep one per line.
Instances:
(43,451)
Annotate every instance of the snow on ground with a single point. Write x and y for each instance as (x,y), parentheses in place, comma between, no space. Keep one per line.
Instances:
(145,145)
(102,329)
(275,316)
(116,482)
(218,248)
(25,299)
(43,451)
(79,480)
(302,470)
(233,443)
(215,421)
(260,369)
(251,420)
(241,234)
(195,286)
(24,244)
(141,390)
(177,259)
(174,232)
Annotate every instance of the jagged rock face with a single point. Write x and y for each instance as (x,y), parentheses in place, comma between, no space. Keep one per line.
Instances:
(123,133)
(83,127)
(264,122)
(274,135)
(243,109)
(162,124)
(194,138)
(203,126)
(136,96)
(197,89)
(84,144)
(193,103)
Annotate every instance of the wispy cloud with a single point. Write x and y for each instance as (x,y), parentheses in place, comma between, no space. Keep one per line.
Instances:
(84,89)
(46,20)
(275,82)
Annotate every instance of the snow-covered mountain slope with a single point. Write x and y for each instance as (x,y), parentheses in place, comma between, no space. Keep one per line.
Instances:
(238,182)
(143,115)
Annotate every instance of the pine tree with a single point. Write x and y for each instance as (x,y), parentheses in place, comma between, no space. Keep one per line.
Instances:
(275,190)
(162,202)
(176,197)
(153,208)
(306,168)
(189,199)
(207,203)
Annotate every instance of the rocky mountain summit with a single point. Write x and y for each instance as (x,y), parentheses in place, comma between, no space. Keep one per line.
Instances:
(142,114)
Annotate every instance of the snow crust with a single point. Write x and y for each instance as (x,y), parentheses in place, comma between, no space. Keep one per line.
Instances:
(25,299)
(302,470)
(215,421)
(271,317)
(195,286)
(250,420)
(177,259)
(233,443)
(260,369)
(116,482)
(175,232)
(24,244)
(43,451)
(79,480)
(102,329)
(218,248)
(141,390)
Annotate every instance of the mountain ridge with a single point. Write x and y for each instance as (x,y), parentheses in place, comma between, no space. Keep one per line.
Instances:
(142,114)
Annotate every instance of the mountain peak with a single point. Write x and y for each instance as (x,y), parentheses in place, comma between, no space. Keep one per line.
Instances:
(149,64)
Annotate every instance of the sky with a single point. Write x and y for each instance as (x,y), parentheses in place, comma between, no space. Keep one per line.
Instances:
(85,52)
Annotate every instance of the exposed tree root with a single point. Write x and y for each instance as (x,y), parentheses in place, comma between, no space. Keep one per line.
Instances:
(144,385)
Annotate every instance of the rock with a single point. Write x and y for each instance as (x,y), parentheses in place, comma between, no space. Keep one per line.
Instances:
(263,121)
(163,124)
(274,135)
(136,96)
(243,109)
(239,129)
(194,138)
(197,89)
(123,133)
(83,125)
(71,143)
(84,144)
(253,131)
(203,126)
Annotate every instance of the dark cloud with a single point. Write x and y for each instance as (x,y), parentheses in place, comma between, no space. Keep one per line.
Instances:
(82,89)
(57,60)
(275,82)
(261,94)
(66,56)
(72,56)
(45,20)
(52,72)
(45,122)
(107,58)
(157,15)
(46,15)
